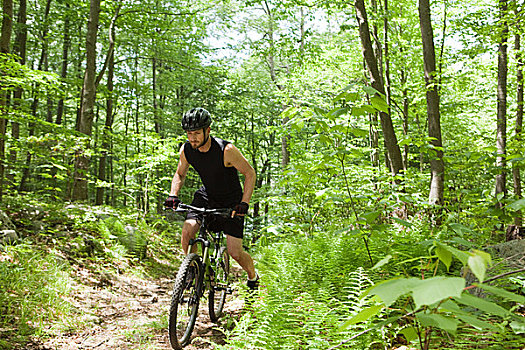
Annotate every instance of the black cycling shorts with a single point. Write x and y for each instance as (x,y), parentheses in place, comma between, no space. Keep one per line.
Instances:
(231,226)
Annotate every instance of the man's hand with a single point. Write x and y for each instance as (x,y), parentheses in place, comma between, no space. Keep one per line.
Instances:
(240,209)
(172,202)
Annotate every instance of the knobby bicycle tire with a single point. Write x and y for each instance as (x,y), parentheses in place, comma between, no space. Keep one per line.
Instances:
(185,301)
(220,286)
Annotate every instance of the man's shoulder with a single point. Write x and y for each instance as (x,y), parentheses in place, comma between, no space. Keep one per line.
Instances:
(222,143)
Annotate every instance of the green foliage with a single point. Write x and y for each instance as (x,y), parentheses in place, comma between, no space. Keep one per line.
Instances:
(34,288)
(310,285)
(436,302)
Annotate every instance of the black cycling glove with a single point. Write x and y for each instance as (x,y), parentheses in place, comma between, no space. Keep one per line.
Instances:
(172,202)
(241,208)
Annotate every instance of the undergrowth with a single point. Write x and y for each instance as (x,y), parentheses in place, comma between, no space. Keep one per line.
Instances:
(37,271)
(311,285)
(33,287)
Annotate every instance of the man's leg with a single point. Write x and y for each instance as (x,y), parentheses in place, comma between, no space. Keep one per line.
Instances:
(189,230)
(237,252)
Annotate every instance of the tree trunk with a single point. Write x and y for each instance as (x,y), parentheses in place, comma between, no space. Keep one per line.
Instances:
(80,185)
(63,73)
(393,151)
(501,129)
(42,65)
(387,55)
(437,167)
(516,176)
(285,152)
(19,49)
(106,141)
(5,39)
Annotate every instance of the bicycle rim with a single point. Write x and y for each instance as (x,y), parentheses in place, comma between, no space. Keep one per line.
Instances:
(185,302)
(221,285)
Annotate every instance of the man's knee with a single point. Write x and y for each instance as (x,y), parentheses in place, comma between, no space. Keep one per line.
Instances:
(190,228)
(236,252)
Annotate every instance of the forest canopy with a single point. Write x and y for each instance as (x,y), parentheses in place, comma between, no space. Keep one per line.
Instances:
(386,138)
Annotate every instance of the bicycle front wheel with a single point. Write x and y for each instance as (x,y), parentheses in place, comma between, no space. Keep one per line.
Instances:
(220,286)
(185,301)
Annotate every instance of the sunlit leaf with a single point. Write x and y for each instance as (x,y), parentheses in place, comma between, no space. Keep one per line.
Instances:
(502,293)
(402,222)
(478,262)
(483,305)
(410,333)
(444,255)
(432,290)
(517,205)
(389,291)
(379,103)
(435,320)
(477,323)
(362,316)
(382,262)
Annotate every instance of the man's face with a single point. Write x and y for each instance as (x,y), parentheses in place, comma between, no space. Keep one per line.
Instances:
(196,138)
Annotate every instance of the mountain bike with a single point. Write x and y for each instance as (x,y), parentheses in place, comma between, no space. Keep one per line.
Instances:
(208,270)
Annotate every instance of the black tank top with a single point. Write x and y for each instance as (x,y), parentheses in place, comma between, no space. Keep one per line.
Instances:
(221,183)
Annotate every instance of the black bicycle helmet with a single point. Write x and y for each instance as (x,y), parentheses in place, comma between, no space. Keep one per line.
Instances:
(195,119)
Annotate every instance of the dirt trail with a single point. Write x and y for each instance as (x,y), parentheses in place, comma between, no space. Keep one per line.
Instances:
(126,312)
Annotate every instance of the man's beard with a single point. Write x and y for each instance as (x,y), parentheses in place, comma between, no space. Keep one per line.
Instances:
(202,143)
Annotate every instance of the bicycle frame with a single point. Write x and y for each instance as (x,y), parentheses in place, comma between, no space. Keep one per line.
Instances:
(212,270)
(203,239)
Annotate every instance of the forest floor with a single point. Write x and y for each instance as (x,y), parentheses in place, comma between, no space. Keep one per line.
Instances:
(128,312)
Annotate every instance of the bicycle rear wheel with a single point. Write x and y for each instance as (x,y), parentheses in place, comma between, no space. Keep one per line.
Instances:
(220,286)
(185,301)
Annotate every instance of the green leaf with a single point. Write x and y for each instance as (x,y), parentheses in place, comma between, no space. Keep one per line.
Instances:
(434,320)
(518,327)
(460,255)
(477,266)
(370,90)
(459,228)
(379,103)
(432,290)
(444,255)
(359,132)
(339,111)
(368,108)
(483,305)
(410,333)
(382,262)
(517,205)
(362,316)
(478,262)
(340,96)
(319,111)
(502,293)
(289,112)
(389,291)
(370,216)
(477,323)
(402,222)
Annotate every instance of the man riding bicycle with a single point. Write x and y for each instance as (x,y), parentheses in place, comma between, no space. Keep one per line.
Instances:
(217,162)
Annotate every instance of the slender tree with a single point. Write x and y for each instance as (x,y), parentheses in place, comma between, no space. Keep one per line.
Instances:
(501,128)
(437,167)
(19,48)
(516,176)
(80,184)
(5,38)
(66,45)
(394,153)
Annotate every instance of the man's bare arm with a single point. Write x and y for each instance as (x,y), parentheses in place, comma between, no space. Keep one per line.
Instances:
(180,174)
(234,158)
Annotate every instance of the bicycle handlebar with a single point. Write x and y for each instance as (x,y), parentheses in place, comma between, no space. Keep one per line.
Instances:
(226,212)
